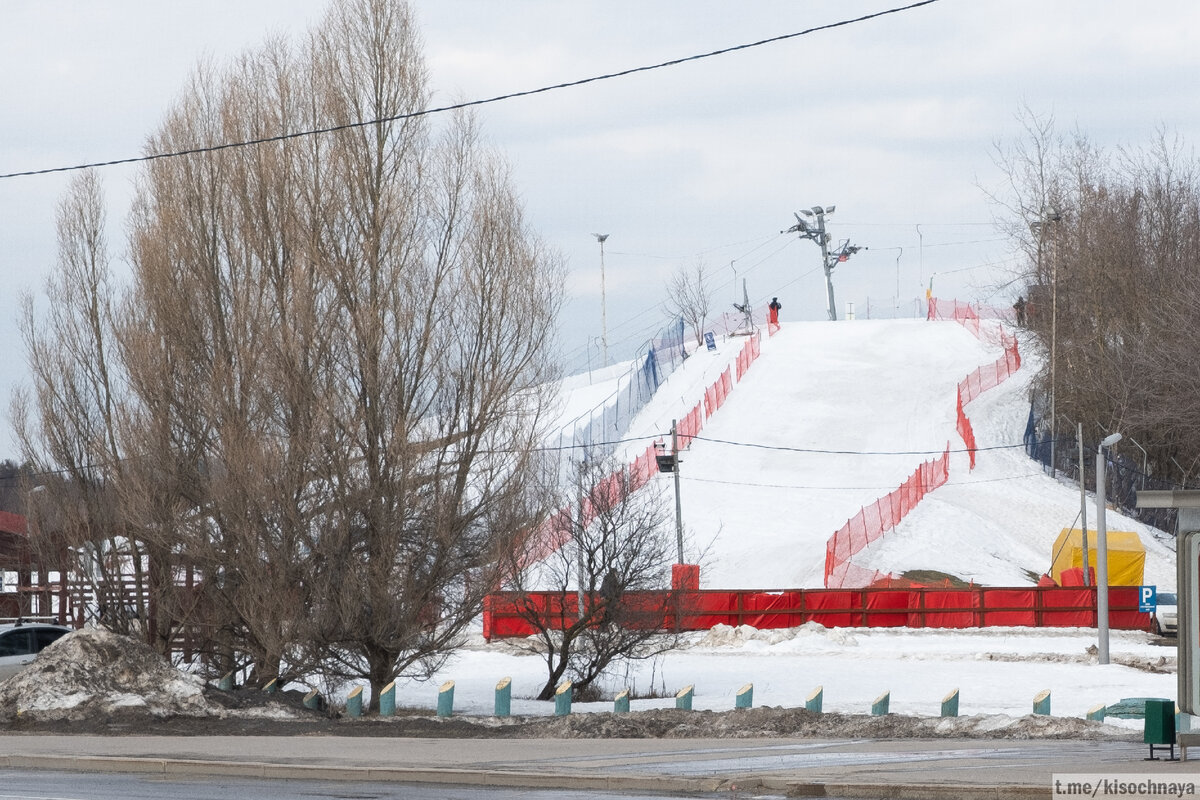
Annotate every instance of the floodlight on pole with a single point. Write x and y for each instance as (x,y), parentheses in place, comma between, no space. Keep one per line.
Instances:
(1102,550)
(816,232)
(600,237)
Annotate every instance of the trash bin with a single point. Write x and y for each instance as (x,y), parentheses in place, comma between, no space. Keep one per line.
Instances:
(1160,726)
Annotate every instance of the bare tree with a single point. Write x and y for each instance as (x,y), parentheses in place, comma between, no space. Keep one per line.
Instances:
(604,594)
(688,296)
(69,423)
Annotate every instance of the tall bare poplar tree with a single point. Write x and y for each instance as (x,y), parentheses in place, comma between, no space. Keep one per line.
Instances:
(338,351)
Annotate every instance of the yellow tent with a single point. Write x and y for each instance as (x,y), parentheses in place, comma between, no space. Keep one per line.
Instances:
(1126,555)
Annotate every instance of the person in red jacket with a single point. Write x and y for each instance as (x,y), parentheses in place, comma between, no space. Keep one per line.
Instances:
(773,311)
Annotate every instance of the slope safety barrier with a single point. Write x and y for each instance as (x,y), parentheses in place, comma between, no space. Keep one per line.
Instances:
(873,521)
(555,531)
(869,525)
(506,613)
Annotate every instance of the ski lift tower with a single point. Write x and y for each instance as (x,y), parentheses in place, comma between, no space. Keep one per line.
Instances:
(816,232)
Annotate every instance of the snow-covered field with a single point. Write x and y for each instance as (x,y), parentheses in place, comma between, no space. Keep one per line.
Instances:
(759,504)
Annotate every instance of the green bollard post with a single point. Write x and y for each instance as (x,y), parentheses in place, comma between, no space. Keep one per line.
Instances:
(683,698)
(354,702)
(226,682)
(387,700)
(1041,703)
(504,697)
(744,697)
(445,705)
(950,704)
(815,700)
(1097,713)
(272,686)
(879,708)
(621,703)
(313,700)
(562,699)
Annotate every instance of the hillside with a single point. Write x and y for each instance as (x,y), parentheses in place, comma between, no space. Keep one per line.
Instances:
(833,416)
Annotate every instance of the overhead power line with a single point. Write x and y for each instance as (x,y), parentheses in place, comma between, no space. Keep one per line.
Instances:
(467,104)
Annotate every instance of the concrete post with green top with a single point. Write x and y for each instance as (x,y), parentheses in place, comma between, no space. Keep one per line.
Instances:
(1041,703)
(950,704)
(621,702)
(562,699)
(504,697)
(815,700)
(387,700)
(879,708)
(683,698)
(744,697)
(354,702)
(445,706)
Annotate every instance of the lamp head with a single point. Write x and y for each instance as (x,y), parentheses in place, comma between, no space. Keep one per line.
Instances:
(1110,440)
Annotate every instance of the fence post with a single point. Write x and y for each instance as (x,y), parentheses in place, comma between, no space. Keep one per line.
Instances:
(312,700)
(272,686)
(745,697)
(1041,703)
(387,700)
(683,698)
(879,708)
(815,700)
(950,704)
(226,682)
(562,699)
(445,704)
(621,702)
(1097,712)
(354,702)
(504,697)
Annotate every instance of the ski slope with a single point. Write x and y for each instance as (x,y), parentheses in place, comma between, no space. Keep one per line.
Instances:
(834,415)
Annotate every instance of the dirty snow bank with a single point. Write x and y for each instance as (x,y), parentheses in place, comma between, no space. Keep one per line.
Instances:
(94,673)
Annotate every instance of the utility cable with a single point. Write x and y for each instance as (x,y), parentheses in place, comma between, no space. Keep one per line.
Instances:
(467,104)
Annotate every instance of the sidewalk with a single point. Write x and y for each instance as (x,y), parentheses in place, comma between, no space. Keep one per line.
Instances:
(844,768)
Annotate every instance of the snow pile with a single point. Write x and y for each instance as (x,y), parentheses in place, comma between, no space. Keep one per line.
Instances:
(94,673)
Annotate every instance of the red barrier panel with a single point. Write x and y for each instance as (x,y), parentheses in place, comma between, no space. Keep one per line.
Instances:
(1048,607)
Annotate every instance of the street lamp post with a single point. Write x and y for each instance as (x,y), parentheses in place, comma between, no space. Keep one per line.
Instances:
(600,237)
(1102,550)
(1051,214)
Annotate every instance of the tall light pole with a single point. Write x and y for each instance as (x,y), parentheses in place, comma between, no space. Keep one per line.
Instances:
(600,237)
(1102,550)
(829,260)
(1051,214)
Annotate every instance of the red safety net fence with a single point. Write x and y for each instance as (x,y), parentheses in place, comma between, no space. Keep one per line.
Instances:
(555,531)
(986,377)
(873,521)
(507,613)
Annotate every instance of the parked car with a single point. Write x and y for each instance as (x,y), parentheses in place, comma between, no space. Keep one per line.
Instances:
(21,642)
(1166,614)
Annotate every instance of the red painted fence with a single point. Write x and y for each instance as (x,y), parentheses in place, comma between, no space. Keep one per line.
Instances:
(975,607)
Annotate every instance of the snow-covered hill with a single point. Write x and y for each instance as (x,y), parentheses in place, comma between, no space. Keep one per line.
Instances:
(833,416)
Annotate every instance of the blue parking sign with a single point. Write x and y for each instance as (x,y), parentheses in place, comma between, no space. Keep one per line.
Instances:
(1147,599)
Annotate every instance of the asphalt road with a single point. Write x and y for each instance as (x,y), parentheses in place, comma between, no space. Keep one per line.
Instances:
(30,785)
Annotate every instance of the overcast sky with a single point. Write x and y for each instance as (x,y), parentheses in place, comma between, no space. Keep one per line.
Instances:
(894,120)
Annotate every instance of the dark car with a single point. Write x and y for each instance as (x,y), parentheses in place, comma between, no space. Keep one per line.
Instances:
(21,642)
